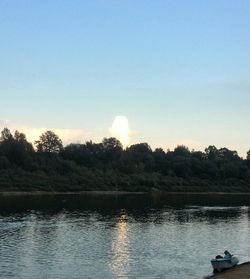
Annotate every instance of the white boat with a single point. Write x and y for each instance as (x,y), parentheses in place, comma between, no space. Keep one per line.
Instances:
(220,263)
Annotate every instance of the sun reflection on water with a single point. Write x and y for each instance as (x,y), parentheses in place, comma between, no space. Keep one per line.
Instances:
(119,249)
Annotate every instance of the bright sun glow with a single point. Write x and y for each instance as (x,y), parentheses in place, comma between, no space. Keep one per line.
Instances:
(120,130)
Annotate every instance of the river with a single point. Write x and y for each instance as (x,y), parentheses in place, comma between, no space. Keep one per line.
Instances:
(120,236)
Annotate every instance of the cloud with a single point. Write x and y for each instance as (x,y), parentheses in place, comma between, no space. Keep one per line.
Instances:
(120,129)
(67,135)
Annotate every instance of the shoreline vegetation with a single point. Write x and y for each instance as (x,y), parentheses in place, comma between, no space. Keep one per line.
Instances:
(114,193)
(107,167)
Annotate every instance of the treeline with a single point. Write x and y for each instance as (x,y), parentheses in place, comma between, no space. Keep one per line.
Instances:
(48,166)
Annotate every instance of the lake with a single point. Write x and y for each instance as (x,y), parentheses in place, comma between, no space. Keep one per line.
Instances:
(120,236)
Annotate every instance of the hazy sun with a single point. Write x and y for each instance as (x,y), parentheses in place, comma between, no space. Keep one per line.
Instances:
(120,130)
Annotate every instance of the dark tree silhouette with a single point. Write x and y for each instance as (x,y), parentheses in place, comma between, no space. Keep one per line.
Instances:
(16,149)
(182,150)
(111,149)
(248,155)
(212,152)
(107,166)
(111,143)
(49,142)
(6,135)
(21,141)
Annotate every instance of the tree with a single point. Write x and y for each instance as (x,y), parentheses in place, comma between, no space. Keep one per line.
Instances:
(22,143)
(182,166)
(16,149)
(49,142)
(111,144)
(142,156)
(181,150)
(160,161)
(4,162)
(230,155)
(84,154)
(198,155)
(141,148)
(6,135)
(6,143)
(111,149)
(212,153)
(248,155)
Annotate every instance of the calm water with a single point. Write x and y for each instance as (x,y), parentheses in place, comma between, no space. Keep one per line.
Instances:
(129,236)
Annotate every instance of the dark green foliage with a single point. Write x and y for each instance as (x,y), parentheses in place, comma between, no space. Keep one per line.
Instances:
(49,142)
(248,155)
(16,150)
(107,166)
(4,162)
(182,151)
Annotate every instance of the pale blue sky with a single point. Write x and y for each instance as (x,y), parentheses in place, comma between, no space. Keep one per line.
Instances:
(178,70)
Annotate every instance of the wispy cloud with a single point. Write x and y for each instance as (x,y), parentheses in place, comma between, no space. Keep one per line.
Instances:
(67,135)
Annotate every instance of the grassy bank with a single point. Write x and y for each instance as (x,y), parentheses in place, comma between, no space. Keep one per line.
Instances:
(19,180)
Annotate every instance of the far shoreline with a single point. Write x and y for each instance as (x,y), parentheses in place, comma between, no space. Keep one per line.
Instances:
(112,193)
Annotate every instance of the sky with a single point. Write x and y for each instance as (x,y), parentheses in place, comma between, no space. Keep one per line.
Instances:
(176,72)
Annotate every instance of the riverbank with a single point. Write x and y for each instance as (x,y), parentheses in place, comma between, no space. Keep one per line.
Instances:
(84,179)
(42,193)
(241,271)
